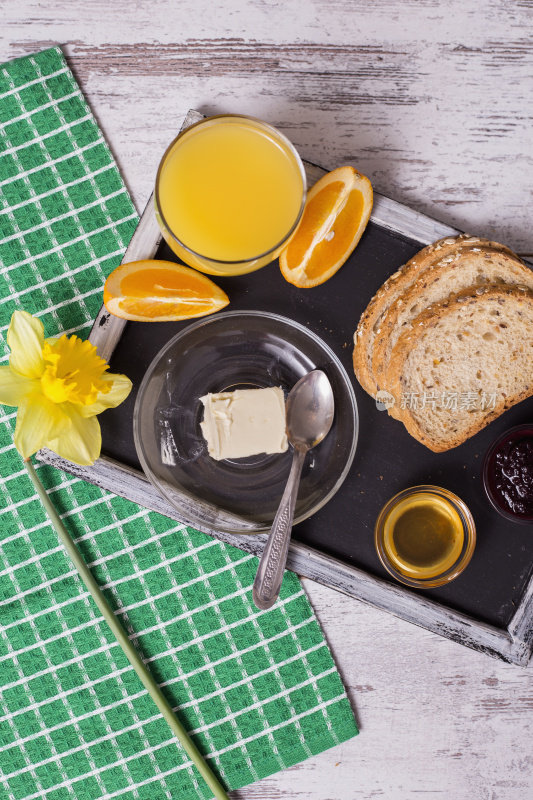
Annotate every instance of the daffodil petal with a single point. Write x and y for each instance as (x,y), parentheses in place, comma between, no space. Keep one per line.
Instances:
(14,388)
(119,390)
(80,441)
(38,421)
(25,338)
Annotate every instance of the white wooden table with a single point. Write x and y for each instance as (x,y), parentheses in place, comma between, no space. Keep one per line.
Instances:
(434,102)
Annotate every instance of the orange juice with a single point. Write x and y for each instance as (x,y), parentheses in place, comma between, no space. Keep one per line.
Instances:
(230,190)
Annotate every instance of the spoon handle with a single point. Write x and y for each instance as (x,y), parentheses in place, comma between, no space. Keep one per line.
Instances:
(272,564)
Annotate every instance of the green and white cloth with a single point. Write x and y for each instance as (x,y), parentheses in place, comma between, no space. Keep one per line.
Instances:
(258,691)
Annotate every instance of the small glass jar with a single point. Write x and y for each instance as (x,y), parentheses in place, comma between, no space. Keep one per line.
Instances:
(508,474)
(425,536)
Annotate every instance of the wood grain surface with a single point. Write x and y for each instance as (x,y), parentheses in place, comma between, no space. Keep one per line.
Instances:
(434,102)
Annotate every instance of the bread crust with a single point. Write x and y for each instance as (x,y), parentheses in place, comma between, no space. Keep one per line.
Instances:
(517,271)
(430,318)
(369,323)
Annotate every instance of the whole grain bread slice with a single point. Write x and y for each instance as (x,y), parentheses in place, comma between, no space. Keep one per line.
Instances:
(462,363)
(369,324)
(468,266)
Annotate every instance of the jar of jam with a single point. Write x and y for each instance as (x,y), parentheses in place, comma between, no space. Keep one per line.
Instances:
(508,474)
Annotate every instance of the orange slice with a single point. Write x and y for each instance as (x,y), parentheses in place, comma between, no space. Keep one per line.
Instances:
(161,291)
(336,213)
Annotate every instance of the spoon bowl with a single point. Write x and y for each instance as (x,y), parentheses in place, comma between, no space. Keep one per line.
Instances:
(310,410)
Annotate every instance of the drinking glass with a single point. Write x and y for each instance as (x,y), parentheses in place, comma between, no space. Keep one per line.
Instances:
(230,191)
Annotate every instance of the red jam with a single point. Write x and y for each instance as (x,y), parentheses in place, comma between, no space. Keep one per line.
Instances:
(508,473)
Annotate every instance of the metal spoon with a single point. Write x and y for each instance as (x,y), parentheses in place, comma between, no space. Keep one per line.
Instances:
(310,408)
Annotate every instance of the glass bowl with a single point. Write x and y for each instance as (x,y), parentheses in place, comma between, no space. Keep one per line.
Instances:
(239,349)
(457,507)
(501,446)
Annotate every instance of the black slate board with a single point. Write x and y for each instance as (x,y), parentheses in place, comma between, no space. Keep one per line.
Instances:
(387,458)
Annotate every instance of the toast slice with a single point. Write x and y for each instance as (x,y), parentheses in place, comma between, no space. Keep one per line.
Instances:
(462,363)
(468,266)
(369,326)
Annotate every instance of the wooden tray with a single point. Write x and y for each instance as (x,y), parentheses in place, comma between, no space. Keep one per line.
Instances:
(489,607)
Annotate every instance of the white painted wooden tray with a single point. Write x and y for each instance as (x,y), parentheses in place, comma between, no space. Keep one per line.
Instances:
(513,643)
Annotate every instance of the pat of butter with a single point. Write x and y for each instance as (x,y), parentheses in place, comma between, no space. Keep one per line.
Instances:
(245,422)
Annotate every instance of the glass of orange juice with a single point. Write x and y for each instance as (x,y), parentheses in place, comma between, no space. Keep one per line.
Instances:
(230,191)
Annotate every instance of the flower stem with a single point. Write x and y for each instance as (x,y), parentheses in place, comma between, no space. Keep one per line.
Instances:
(131,654)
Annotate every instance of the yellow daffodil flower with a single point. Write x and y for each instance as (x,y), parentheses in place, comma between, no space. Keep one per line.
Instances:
(59,386)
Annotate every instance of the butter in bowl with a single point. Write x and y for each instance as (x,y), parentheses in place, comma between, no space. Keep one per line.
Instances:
(192,427)
(244,422)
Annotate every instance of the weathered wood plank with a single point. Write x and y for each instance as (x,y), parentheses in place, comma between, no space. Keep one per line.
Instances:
(432,100)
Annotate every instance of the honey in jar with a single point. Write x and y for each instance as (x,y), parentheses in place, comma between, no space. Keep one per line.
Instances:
(423,535)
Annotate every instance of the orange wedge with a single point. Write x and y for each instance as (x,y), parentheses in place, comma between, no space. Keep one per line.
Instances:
(336,213)
(161,291)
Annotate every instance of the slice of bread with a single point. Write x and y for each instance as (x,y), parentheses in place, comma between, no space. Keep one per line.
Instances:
(462,363)
(369,326)
(468,266)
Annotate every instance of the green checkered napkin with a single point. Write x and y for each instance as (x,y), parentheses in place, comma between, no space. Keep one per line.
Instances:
(258,690)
